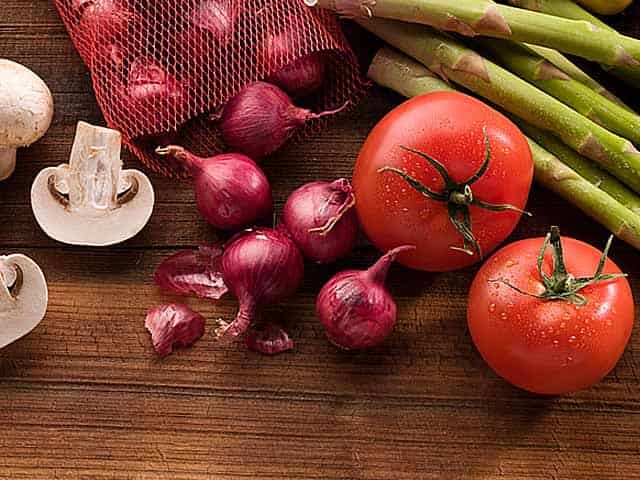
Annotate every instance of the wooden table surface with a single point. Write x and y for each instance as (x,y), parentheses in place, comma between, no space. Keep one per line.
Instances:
(83,396)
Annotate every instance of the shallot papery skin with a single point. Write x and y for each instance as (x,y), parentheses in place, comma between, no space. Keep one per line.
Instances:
(231,190)
(260,267)
(148,81)
(300,77)
(193,272)
(270,339)
(321,220)
(173,325)
(260,118)
(355,308)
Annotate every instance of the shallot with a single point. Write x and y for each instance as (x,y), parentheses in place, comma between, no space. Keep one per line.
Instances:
(215,16)
(173,325)
(321,220)
(231,190)
(193,272)
(260,118)
(148,81)
(300,77)
(102,20)
(355,308)
(268,339)
(260,267)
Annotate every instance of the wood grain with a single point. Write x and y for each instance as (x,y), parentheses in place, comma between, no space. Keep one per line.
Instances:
(83,397)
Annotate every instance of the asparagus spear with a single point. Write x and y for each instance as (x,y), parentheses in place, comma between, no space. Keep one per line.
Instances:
(453,61)
(569,9)
(484,17)
(567,66)
(535,69)
(398,72)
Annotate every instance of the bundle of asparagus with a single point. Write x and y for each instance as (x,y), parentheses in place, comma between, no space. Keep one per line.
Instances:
(581,136)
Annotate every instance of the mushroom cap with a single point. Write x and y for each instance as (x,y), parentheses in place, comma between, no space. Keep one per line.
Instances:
(108,227)
(24,306)
(26,105)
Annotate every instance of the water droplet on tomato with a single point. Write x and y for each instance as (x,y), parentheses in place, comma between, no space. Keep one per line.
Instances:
(492,307)
(572,339)
(503,316)
(566,316)
(563,324)
(555,343)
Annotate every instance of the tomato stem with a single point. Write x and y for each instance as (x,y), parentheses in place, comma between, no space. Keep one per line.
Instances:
(458,196)
(562,285)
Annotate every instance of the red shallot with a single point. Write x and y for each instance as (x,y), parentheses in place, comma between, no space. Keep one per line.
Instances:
(148,81)
(303,75)
(102,20)
(173,325)
(355,308)
(321,220)
(231,190)
(193,272)
(215,16)
(268,339)
(260,118)
(260,266)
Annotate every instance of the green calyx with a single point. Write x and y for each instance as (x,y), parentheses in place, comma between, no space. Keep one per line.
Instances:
(562,285)
(457,195)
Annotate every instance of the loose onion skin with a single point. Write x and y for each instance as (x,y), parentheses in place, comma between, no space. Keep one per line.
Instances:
(231,190)
(173,325)
(321,220)
(260,267)
(260,118)
(270,339)
(355,308)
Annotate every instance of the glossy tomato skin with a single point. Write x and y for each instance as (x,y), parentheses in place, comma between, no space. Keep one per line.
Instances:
(449,127)
(548,347)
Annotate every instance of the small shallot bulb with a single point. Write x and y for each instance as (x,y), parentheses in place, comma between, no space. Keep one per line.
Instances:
(260,267)
(231,190)
(148,81)
(320,218)
(260,118)
(355,308)
(173,325)
(300,77)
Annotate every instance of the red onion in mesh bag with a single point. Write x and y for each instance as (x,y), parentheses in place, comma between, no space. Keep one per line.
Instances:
(173,325)
(148,81)
(260,267)
(321,220)
(215,16)
(102,21)
(268,339)
(300,77)
(260,118)
(355,308)
(194,272)
(231,190)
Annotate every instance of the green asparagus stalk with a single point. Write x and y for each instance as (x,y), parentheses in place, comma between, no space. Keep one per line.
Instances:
(485,17)
(561,62)
(453,61)
(573,11)
(583,167)
(535,69)
(398,72)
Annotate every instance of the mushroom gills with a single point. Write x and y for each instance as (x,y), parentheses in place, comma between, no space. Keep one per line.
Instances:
(23,297)
(91,200)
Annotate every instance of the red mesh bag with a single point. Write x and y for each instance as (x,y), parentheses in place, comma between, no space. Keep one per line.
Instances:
(161,67)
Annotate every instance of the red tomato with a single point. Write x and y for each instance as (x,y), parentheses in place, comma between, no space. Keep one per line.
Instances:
(448,126)
(548,346)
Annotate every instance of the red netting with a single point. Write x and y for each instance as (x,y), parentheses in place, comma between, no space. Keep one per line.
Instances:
(162,66)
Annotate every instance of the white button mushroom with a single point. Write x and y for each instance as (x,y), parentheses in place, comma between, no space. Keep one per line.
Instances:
(26,110)
(23,297)
(92,201)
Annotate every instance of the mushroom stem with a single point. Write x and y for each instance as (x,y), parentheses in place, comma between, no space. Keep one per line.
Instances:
(7,162)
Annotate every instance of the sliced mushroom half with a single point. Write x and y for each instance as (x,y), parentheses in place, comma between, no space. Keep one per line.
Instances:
(92,201)
(23,297)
